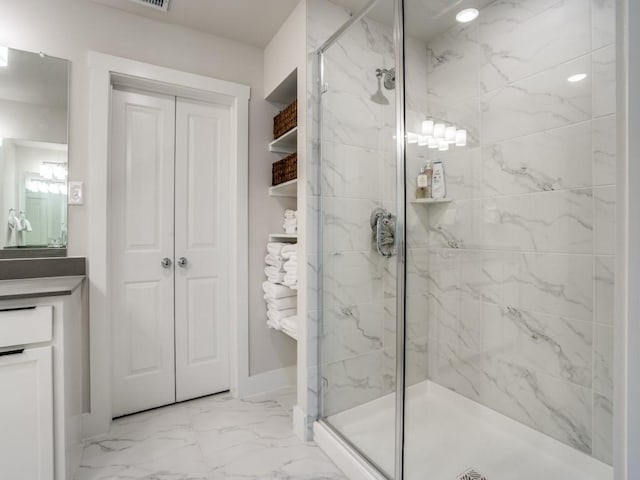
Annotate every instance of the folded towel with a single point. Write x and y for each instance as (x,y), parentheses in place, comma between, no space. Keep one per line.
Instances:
(290,268)
(290,230)
(272,270)
(288,213)
(274,260)
(290,324)
(276,316)
(282,303)
(273,290)
(277,277)
(274,248)
(289,251)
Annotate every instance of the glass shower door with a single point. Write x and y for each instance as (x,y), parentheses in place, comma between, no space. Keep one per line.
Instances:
(358,228)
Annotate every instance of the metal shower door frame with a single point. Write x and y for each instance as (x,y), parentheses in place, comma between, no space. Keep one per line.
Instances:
(398,36)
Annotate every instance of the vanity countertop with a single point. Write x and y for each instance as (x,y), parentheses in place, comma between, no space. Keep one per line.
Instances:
(39,287)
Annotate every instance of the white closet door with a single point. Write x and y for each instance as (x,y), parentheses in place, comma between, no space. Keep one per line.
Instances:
(142,289)
(202,222)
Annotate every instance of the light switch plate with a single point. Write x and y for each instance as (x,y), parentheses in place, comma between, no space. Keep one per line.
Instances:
(76,193)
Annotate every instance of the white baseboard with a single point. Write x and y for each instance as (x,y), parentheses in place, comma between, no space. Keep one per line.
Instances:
(300,424)
(267,381)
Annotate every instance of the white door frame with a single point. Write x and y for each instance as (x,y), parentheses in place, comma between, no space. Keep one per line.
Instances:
(105,71)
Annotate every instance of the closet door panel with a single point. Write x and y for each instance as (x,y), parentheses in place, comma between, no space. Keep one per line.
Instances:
(202,321)
(142,216)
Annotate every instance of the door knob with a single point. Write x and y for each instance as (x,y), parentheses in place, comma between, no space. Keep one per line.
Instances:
(182,262)
(166,262)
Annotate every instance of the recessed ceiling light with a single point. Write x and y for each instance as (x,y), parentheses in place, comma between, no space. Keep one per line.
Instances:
(578,77)
(467,15)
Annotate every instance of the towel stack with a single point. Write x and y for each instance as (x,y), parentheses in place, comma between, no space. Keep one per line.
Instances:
(281,299)
(290,221)
(289,254)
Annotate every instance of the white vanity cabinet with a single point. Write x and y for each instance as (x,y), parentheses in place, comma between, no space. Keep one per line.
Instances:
(40,378)
(26,417)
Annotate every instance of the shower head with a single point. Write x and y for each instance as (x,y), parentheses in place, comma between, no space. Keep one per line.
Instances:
(389,77)
(389,84)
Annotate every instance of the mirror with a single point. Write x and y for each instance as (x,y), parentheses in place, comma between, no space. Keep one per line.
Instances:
(34,95)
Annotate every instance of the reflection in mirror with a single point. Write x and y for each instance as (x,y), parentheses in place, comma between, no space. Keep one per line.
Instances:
(33,154)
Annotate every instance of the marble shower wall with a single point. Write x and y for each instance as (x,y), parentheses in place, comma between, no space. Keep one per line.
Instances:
(521,263)
(358,175)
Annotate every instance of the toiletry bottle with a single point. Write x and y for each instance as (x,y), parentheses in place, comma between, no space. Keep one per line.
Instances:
(428,170)
(438,189)
(422,183)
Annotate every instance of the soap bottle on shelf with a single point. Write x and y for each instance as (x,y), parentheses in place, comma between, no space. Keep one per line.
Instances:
(438,190)
(422,184)
(428,170)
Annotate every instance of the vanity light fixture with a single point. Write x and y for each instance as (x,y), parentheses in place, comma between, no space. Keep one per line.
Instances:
(578,77)
(4,56)
(467,15)
(412,137)
(432,143)
(439,130)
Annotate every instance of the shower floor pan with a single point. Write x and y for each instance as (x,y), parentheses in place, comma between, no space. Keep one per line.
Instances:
(448,435)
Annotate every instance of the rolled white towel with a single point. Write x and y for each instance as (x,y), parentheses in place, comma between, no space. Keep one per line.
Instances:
(272,270)
(273,291)
(288,213)
(290,230)
(289,251)
(274,248)
(290,325)
(290,267)
(282,303)
(274,260)
(276,316)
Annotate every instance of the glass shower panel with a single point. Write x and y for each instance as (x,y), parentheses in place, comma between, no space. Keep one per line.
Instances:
(358,215)
(510,276)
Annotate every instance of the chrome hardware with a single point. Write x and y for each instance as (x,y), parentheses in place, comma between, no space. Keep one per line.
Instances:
(182,262)
(166,262)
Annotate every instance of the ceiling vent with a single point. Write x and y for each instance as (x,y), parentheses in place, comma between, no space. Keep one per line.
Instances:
(157,4)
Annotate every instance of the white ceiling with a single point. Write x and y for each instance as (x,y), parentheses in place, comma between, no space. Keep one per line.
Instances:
(255,22)
(424,19)
(248,21)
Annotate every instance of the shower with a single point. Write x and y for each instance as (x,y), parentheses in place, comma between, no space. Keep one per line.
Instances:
(443,345)
(389,83)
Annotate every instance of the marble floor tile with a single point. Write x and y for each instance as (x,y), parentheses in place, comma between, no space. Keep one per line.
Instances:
(205,439)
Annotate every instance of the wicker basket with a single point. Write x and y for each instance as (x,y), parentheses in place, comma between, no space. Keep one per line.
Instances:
(284,170)
(285,120)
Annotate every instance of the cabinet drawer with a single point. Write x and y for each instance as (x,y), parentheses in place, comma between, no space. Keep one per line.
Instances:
(25,325)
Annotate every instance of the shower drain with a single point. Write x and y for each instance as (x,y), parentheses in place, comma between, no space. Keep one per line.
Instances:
(472,475)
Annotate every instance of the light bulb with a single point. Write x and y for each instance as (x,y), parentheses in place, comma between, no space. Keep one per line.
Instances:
(467,15)
(450,134)
(4,56)
(578,77)
(427,128)
(461,138)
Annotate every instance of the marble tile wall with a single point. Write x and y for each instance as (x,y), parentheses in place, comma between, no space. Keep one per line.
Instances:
(520,265)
